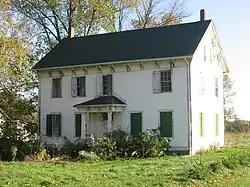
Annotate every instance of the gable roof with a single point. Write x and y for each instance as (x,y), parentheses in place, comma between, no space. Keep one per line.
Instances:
(151,43)
(102,100)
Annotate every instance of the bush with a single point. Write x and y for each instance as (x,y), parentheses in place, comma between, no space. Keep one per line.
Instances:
(149,144)
(215,166)
(199,170)
(230,161)
(120,144)
(72,148)
(105,148)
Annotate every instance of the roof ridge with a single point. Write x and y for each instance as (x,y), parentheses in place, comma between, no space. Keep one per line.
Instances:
(137,30)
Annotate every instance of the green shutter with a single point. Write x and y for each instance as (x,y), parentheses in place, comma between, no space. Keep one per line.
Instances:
(136,123)
(217,125)
(201,124)
(166,124)
(82,86)
(110,85)
(78,124)
(49,125)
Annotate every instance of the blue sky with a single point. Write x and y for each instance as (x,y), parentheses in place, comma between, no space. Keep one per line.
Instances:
(232,22)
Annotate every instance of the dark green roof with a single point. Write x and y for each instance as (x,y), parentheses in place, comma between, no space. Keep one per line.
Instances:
(151,43)
(101,100)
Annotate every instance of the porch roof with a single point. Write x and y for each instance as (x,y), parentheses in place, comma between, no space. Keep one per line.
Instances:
(101,100)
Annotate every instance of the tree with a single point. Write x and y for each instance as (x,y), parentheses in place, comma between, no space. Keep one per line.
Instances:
(228,94)
(18,100)
(53,20)
(149,15)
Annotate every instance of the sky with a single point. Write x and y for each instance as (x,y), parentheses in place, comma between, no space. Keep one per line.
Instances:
(232,23)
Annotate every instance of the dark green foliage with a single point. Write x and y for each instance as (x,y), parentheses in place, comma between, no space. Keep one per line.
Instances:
(230,161)
(120,144)
(105,148)
(215,166)
(199,170)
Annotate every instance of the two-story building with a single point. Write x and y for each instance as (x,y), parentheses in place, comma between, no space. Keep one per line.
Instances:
(169,78)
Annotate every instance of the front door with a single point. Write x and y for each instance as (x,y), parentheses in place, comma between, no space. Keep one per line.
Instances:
(136,123)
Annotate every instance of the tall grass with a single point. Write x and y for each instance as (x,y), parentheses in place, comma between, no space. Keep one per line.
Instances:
(234,139)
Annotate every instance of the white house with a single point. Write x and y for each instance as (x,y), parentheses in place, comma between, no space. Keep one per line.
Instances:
(169,77)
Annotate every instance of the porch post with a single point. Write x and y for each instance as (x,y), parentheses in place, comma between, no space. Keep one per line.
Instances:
(109,121)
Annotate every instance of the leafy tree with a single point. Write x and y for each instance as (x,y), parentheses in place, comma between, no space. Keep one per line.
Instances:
(53,20)
(18,117)
(228,94)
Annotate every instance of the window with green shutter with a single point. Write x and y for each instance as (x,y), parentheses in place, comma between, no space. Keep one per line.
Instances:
(201,124)
(78,125)
(217,125)
(53,126)
(166,124)
(136,123)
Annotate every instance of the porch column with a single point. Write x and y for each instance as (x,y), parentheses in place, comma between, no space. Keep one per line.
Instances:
(109,121)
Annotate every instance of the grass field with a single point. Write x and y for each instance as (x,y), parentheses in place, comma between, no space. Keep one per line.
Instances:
(166,171)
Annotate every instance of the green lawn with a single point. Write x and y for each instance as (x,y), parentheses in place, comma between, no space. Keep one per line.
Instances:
(166,171)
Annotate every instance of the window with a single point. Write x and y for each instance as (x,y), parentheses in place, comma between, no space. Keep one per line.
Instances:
(201,124)
(107,85)
(78,125)
(78,86)
(162,81)
(166,84)
(56,88)
(105,116)
(166,124)
(216,87)
(217,125)
(53,125)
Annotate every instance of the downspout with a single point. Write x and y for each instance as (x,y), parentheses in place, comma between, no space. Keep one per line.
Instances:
(189,106)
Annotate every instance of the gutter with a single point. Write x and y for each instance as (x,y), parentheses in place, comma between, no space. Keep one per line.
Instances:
(189,106)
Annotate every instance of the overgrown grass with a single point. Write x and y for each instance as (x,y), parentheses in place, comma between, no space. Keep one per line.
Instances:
(233,139)
(165,171)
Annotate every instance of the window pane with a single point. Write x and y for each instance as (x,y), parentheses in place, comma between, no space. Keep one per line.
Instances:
(81,86)
(56,88)
(105,85)
(56,125)
(166,84)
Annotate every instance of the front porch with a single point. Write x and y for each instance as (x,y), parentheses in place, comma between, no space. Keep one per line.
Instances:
(100,115)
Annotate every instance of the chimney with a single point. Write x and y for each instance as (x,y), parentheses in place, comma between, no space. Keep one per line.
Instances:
(202,15)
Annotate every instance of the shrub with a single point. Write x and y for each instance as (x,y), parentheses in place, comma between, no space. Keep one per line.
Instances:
(72,148)
(120,144)
(105,148)
(149,144)
(230,161)
(199,170)
(215,166)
